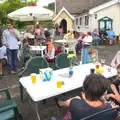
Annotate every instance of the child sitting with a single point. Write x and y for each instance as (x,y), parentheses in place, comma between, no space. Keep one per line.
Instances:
(51,50)
(115,87)
(26,50)
(92,57)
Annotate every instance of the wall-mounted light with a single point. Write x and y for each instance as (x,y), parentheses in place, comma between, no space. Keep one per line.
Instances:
(31,14)
(96,16)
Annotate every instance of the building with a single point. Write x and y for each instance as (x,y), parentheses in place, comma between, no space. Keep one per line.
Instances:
(88,14)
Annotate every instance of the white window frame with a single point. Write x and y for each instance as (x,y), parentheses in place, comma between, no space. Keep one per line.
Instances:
(81,21)
(77,21)
(85,21)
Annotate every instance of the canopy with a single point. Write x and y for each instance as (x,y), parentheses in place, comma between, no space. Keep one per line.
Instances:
(31,13)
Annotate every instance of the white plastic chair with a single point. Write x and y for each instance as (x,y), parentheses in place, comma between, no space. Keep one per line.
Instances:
(71,46)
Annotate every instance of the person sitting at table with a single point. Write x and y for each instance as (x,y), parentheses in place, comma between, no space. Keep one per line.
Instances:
(91,102)
(87,41)
(111,36)
(69,35)
(116,60)
(115,88)
(51,50)
(26,50)
(92,55)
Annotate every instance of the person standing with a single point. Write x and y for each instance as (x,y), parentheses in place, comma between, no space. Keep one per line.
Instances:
(2,75)
(11,37)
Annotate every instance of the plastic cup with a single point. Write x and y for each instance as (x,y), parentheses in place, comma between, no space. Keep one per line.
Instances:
(59,84)
(102,62)
(33,78)
(97,66)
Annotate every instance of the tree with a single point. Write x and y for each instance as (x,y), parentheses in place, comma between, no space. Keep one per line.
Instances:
(10,6)
(51,6)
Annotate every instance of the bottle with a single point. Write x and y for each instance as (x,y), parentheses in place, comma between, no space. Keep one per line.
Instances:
(40,45)
(70,72)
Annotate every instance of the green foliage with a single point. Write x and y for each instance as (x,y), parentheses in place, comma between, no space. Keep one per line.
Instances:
(51,6)
(10,6)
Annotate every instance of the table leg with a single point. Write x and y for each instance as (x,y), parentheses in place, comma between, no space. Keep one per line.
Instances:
(45,51)
(21,93)
(29,109)
(42,53)
(37,112)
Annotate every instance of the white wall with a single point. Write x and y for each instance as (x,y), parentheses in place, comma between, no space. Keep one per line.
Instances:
(112,12)
(82,28)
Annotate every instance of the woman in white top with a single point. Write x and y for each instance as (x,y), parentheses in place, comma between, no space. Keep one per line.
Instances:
(88,39)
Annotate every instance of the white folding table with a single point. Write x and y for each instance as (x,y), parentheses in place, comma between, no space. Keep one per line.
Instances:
(43,90)
(39,49)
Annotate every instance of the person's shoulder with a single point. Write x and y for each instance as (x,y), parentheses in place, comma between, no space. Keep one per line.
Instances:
(76,102)
(5,30)
(16,29)
(106,105)
(116,81)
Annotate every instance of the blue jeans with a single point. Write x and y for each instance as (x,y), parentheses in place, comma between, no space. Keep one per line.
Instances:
(12,57)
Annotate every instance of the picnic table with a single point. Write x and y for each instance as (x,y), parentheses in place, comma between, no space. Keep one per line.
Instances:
(44,90)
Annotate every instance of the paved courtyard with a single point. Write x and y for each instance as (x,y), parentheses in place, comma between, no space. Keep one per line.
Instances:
(50,109)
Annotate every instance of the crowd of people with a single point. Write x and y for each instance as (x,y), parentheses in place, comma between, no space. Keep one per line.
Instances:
(94,99)
(12,39)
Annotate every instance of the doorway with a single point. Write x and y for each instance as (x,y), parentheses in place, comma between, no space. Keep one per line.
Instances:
(63,25)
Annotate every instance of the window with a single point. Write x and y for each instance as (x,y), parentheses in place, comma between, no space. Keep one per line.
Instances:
(76,21)
(86,20)
(80,21)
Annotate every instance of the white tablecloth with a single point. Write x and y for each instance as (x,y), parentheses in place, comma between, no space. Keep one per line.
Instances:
(43,90)
(64,41)
(60,41)
(39,49)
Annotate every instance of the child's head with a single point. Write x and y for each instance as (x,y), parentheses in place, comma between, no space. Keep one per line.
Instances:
(92,52)
(89,33)
(48,41)
(118,71)
(25,41)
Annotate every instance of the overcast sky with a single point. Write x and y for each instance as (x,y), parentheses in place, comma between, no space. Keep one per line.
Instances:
(44,2)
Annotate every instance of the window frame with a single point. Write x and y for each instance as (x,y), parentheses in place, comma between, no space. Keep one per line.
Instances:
(86,25)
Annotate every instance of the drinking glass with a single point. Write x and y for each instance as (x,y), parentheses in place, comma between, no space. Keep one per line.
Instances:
(97,66)
(33,78)
(102,62)
(59,84)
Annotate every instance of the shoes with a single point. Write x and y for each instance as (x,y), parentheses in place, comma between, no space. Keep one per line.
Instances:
(12,72)
(3,76)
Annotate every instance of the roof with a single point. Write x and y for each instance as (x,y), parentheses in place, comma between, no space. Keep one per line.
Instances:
(64,10)
(78,6)
(98,8)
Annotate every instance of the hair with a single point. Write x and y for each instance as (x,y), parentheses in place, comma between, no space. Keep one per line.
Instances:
(91,51)
(88,33)
(118,67)
(95,86)
(48,40)
(25,41)
(37,26)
